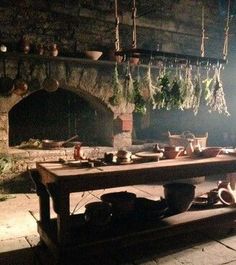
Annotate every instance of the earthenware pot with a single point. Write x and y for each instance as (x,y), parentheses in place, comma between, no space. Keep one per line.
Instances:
(179,196)
(122,203)
(98,213)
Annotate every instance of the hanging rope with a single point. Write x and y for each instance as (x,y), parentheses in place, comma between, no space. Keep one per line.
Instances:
(226,41)
(134,13)
(117,22)
(203,33)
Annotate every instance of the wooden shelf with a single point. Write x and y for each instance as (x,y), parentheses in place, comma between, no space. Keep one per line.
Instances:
(70,58)
(131,232)
(151,54)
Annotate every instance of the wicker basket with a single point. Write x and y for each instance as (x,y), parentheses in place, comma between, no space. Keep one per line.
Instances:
(182,139)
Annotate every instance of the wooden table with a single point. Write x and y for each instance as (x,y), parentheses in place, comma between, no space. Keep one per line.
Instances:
(58,181)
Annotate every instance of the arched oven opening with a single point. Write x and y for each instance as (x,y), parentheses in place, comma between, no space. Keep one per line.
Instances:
(58,116)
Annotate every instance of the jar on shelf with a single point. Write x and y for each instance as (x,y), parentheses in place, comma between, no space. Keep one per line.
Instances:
(3,48)
(40,49)
(25,45)
(54,50)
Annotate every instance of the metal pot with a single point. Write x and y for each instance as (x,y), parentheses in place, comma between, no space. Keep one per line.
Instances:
(6,83)
(122,203)
(98,213)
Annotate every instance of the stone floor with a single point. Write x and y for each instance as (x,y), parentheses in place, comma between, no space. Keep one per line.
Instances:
(19,241)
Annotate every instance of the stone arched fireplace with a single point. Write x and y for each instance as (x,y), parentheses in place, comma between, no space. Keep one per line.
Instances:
(84,81)
(59,115)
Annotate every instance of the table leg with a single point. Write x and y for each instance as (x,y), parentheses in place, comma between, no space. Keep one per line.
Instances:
(63,227)
(44,208)
(61,205)
(44,203)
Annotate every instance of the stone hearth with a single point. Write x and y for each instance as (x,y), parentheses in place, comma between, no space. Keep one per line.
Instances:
(90,80)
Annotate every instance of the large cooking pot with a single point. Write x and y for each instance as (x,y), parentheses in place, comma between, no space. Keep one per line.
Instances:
(51,144)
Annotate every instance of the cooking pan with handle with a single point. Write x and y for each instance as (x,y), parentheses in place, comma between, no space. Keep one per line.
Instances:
(20,85)
(50,84)
(51,144)
(6,83)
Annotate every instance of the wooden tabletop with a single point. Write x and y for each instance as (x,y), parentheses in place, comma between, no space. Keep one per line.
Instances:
(80,179)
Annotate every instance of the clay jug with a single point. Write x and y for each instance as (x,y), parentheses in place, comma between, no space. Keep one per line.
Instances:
(189,148)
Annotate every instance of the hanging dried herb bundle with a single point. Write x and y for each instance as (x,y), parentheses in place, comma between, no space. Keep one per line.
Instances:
(162,91)
(176,96)
(148,84)
(197,92)
(187,91)
(129,86)
(117,88)
(165,89)
(206,90)
(217,100)
(139,101)
(176,99)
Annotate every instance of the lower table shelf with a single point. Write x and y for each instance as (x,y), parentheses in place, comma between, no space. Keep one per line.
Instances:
(131,232)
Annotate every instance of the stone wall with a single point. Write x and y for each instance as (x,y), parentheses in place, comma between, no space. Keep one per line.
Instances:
(81,25)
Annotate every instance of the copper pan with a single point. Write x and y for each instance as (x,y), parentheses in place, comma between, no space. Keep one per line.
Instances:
(20,85)
(50,84)
(6,83)
(51,144)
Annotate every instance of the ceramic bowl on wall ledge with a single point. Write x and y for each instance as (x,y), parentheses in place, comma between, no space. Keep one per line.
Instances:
(93,55)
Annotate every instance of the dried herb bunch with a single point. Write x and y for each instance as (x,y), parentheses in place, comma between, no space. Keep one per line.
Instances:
(217,100)
(117,88)
(139,101)
(184,89)
(187,91)
(197,92)
(147,84)
(129,86)
(176,93)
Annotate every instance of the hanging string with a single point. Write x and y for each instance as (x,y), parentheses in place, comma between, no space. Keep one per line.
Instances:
(226,41)
(203,33)
(117,23)
(134,14)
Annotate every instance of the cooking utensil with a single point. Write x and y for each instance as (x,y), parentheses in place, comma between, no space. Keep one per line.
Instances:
(122,203)
(6,83)
(179,196)
(56,144)
(20,85)
(50,84)
(98,213)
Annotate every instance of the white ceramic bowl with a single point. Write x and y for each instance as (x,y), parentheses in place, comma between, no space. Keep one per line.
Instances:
(93,55)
